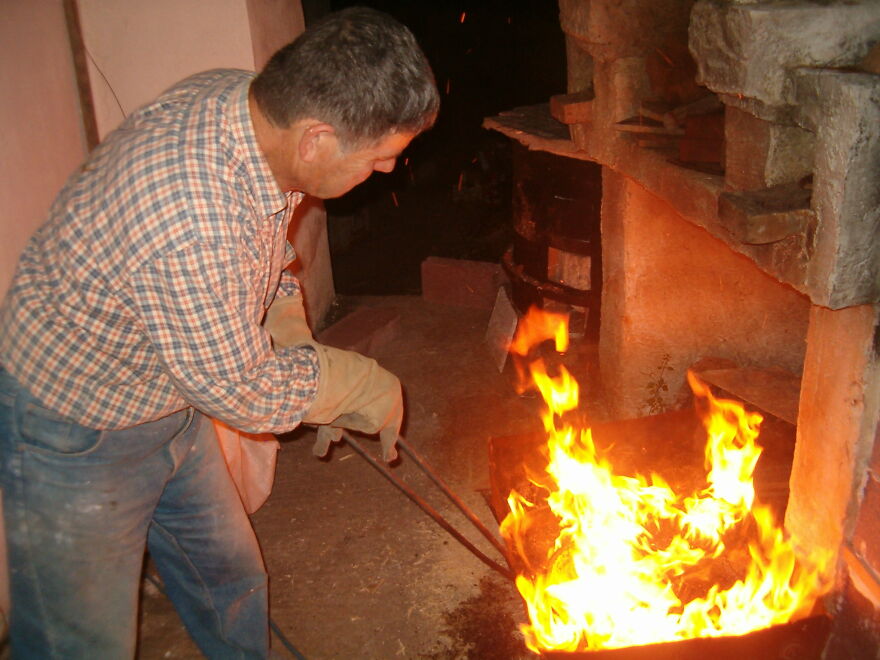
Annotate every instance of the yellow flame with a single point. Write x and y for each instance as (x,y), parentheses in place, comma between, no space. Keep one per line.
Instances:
(538,326)
(626,544)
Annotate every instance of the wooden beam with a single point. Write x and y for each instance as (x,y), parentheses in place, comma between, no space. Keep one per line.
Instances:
(81,68)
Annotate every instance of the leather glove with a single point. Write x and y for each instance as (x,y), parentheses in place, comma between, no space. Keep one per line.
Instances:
(354,392)
(286,321)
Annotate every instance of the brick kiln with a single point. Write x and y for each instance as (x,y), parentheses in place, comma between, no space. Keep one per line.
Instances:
(739,145)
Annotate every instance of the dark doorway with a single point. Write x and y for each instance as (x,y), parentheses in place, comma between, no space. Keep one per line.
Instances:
(450,193)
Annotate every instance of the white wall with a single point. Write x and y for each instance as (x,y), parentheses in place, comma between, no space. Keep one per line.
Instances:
(138,49)
(274,23)
(135,50)
(41,140)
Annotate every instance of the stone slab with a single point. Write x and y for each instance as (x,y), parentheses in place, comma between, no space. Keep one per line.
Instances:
(572,108)
(772,390)
(501,328)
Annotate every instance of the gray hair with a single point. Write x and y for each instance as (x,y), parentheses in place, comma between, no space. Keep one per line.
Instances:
(359,70)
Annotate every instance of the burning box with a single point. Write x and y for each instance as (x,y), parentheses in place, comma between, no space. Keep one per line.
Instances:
(608,558)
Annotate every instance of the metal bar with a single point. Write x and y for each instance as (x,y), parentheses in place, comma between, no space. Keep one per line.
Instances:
(427,508)
(457,501)
(287,643)
(272,625)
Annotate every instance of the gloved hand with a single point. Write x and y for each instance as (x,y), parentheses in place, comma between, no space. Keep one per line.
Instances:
(286,321)
(354,392)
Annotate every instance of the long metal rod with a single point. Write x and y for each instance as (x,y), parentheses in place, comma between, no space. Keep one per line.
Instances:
(427,508)
(272,625)
(455,499)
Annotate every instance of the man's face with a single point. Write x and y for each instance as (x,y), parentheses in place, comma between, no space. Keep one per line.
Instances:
(336,170)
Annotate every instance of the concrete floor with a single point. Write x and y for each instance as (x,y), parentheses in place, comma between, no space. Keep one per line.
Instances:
(357,570)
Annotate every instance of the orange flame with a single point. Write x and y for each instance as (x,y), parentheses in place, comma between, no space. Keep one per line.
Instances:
(626,544)
(535,328)
(538,326)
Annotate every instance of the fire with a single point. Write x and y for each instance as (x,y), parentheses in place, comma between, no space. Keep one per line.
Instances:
(627,545)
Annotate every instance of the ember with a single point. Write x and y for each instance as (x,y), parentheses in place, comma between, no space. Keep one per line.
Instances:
(622,568)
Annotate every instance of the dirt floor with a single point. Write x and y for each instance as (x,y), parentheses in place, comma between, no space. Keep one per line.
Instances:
(356,569)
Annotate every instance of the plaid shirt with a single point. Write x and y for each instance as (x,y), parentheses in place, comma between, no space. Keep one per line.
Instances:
(145,290)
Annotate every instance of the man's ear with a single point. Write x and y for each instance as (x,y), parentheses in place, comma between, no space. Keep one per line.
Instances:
(317,139)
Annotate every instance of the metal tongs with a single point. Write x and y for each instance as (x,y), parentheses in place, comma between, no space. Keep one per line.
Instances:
(428,509)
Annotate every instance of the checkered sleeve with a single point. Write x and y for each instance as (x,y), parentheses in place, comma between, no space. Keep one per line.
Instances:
(289,284)
(203,318)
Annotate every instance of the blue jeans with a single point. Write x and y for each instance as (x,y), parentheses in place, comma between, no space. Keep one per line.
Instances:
(80,506)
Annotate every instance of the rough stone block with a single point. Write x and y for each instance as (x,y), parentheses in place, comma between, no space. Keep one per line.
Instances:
(760,154)
(578,64)
(365,330)
(750,49)
(844,268)
(765,216)
(572,108)
(461,282)
(628,78)
(574,18)
(623,28)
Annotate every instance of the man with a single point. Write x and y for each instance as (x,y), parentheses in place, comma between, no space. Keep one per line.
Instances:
(138,310)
